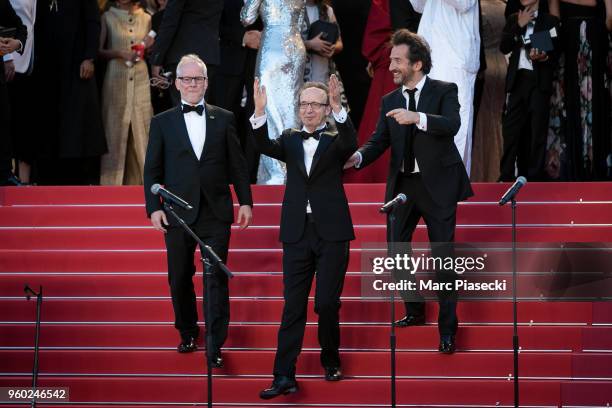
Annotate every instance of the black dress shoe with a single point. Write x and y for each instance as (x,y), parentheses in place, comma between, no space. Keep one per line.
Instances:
(410,320)
(333,374)
(280,386)
(447,344)
(188,345)
(216,360)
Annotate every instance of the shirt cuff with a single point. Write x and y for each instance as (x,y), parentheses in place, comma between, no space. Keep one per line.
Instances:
(8,57)
(359,160)
(256,123)
(422,125)
(152,34)
(340,117)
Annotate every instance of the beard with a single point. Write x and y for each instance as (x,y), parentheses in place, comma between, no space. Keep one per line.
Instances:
(401,78)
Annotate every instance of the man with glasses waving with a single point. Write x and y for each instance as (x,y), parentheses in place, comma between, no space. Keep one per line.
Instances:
(193,149)
(315,226)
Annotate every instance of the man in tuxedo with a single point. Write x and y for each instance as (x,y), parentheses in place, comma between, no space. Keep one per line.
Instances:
(194,151)
(8,19)
(418,120)
(188,27)
(315,226)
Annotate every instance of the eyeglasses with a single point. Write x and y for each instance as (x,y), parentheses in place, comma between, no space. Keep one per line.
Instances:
(189,80)
(313,105)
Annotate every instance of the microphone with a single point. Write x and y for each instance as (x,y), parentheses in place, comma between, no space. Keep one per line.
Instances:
(513,191)
(400,199)
(168,196)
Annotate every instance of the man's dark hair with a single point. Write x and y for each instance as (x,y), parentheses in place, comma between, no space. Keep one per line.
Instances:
(319,85)
(418,49)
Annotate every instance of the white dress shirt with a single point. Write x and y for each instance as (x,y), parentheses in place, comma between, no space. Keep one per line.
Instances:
(422,125)
(524,61)
(196,128)
(310,145)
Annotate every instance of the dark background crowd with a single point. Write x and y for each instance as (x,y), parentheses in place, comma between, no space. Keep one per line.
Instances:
(77,98)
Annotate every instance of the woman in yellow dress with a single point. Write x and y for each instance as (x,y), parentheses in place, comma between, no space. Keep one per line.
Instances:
(126,97)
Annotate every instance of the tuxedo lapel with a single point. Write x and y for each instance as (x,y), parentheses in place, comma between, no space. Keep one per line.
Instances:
(181,131)
(211,127)
(425,97)
(324,141)
(399,102)
(539,24)
(295,144)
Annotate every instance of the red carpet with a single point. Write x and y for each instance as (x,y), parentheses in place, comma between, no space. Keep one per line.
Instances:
(107,318)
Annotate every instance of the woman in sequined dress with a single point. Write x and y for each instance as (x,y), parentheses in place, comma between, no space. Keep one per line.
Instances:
(280,67)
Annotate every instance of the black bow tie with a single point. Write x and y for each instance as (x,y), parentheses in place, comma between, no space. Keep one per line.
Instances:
(199,109)
(316,135)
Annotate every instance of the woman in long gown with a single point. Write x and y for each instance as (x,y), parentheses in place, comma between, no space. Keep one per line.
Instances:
(126,97)
(580,134)
(376,50)
(280,67)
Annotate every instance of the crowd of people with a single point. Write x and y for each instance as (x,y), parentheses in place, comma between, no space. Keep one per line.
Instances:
(102,68)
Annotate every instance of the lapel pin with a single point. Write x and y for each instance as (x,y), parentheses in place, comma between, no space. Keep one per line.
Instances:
(211,117)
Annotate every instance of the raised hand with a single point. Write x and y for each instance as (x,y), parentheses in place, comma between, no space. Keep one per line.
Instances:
(526,15)
(334,93)
(259,98)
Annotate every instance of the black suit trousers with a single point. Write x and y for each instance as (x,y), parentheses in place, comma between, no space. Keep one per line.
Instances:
(227,91)
(525,129)
(181,269)
(440,223)
(300,261)
(6,165)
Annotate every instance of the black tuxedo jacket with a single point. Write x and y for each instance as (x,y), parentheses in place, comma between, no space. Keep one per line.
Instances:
(188,27)
(323,187)
(9,19)
(511,43)
(440,164)
(171,161)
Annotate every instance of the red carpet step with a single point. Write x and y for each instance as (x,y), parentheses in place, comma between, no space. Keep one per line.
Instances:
(354,337)
(108,334)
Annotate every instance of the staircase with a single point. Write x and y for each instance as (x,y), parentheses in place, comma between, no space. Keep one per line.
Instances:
(107,323)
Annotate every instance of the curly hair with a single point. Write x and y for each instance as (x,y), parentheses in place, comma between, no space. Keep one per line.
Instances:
(418,49)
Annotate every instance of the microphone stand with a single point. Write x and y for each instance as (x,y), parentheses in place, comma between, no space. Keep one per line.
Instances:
(392,337)
(515,338)
(209,258)
(39,297)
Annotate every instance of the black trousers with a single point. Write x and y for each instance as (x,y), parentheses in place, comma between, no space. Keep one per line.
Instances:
(6,165)
(525,129)
(181,269)
(440,223)
(300,261)
(227,91)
